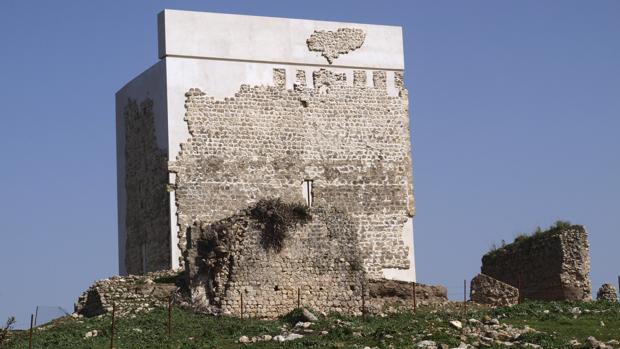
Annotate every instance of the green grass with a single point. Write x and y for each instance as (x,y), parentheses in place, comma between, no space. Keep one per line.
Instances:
(561,323)
(400,330)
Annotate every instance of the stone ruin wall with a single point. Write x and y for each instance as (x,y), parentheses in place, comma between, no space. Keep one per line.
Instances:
(146,177)
(320,260)
(553,266)
(129,295)
(351,141)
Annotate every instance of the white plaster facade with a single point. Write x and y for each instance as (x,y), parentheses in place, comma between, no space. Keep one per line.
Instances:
(219,52)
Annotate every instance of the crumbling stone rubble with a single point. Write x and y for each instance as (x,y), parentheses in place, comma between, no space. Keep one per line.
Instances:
(128,294)
(388,293)
(487,290)
(607,292)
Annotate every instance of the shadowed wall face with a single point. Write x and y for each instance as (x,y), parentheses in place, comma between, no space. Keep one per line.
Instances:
(146,177)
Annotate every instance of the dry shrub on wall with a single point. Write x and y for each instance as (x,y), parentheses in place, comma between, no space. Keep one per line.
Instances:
(276,218)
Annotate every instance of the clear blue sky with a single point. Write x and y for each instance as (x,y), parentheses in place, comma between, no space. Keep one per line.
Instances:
(515,121)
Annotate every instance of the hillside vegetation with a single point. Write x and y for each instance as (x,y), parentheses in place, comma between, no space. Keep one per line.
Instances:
(554,325)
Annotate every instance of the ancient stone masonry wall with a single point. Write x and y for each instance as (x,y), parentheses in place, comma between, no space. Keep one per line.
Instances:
(351,141)
(320,259)
(549,266)
(146,177)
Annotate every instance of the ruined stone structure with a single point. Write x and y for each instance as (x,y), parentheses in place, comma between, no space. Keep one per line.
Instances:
(232,114)
(487,290)
(607,292)
(130,295)
(551,265)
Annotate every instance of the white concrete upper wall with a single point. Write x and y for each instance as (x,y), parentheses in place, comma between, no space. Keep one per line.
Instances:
(270,39)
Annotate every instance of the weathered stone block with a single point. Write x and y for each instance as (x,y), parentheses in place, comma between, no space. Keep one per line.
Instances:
(487,290)
(607,292)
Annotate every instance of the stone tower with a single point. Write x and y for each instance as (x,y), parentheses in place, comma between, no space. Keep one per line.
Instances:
(241,108)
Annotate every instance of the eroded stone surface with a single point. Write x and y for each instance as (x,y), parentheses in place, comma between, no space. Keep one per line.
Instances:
(333,44)
(321,260)
(487,290)
(551,266)
(400,293)
(607,292)
(352,142)
(129,294)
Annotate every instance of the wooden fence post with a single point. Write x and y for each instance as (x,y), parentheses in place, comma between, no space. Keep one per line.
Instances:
(30,333)
(170,316)
(298,297)
(465,298)
(363,301)
(113,324)
(241,293)
(519,289)
(415,302)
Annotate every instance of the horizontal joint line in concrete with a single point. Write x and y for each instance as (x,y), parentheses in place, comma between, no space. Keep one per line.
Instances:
(283,63)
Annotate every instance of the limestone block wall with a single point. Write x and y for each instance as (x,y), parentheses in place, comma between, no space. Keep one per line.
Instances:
(548,266)
(352,142)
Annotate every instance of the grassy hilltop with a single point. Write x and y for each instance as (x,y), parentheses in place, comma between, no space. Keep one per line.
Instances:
(556,324)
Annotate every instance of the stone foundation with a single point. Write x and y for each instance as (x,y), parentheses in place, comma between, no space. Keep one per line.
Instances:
(386,293)
(129,294)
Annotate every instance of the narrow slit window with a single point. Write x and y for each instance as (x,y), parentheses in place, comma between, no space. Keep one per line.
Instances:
(307,192)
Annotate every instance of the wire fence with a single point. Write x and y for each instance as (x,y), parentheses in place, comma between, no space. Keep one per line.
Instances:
(42,314)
